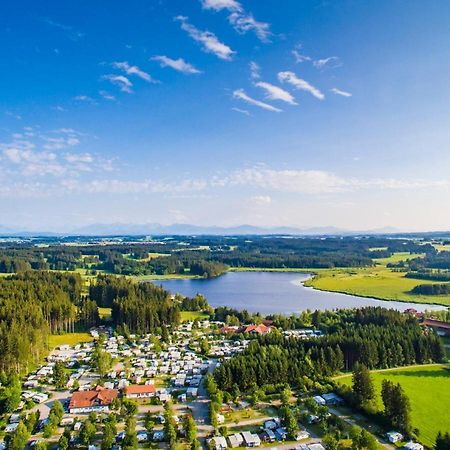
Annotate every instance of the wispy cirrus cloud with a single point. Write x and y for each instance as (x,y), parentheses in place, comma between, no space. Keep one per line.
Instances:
(300,84)
(122,82)
(331,62)
(241,95)
(71,32)
(254,70)
(241,111)
(340,92)
(298,55)
(177,64)
(208,40)
(240,20)
(84,98)
(276,93)
(107,96)
(134,70)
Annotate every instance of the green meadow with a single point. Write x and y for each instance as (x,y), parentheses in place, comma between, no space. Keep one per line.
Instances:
(428,388)
(379,282)
(55,340)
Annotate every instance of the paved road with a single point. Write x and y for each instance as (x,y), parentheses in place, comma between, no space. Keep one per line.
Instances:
(44,408)
(200,409)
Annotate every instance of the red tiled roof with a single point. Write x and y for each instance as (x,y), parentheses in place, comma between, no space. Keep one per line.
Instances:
(140,389)
(260,329)
(85,399)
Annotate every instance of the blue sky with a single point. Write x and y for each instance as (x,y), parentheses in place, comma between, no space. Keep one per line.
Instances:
(287,112)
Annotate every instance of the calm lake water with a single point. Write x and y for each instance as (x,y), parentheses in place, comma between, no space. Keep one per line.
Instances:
(274,292)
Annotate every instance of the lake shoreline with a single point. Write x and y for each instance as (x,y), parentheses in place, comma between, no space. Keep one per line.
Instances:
(279,292)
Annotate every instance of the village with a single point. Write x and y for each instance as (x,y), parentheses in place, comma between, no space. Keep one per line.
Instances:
(142,374)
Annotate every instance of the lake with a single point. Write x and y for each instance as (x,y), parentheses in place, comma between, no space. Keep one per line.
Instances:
(274,292)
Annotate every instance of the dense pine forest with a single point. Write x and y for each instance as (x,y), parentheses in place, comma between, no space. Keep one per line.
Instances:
(32,305)
(35,304)
(375,337)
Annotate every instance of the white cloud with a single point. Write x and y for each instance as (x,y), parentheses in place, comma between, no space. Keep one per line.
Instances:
(79,158)
(177,64)
(254,70)
(218,5)
(209,41)
(124,84)
(114,186)
(276,93)
(261,199)
(298,83)
(241,21)
(241,95)
(298,56)
(340,92)
(107,96)
(320,181)
(38,155)
(241,111)
(85,98)
(11,114)
(134,70)
(331,62)
(244,22)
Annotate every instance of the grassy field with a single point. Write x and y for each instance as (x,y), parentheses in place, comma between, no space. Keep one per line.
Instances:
(428,388)
(56,340)
(140,278)
(188,316)
(378,282)
(104,313)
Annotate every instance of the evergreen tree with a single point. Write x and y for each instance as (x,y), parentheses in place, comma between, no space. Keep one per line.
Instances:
(363,389)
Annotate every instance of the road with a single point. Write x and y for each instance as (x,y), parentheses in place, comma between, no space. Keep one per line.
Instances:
(44,408)
(200,409)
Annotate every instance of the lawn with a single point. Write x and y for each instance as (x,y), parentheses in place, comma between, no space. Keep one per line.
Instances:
(377,282)
(56,340)
(104,313)
(428,388)
(189,316)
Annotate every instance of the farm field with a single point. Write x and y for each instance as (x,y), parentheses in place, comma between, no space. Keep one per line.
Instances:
(378,282)
(428,388)
(56,340)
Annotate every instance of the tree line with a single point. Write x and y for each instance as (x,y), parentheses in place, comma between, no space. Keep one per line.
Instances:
(375,337)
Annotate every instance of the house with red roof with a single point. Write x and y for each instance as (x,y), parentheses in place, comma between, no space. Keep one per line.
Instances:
(140,391)
(95,400)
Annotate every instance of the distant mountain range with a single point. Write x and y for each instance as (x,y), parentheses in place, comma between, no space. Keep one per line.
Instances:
(122,229)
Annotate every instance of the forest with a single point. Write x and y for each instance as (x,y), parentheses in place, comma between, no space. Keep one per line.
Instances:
(206,256)
(375,337)
(35,304)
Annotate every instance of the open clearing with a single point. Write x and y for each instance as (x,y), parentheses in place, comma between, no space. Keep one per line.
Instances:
(56,340)
(189,316)
(428,388)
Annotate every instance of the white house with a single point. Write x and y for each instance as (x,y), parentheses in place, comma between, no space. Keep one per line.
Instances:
(394,436)
(250,439)
(218,443)
(413,446)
